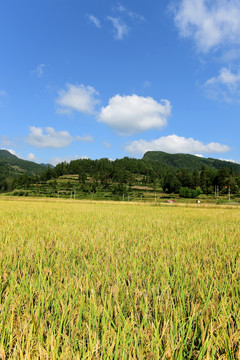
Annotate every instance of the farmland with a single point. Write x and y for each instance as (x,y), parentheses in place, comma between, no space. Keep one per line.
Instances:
(85,280)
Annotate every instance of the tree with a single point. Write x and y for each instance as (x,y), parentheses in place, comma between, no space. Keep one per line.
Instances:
(82,177)
(195,179)
(184,177)
(171,184)
(203,180)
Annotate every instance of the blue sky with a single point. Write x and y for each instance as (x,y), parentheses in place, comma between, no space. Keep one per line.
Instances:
(113,79)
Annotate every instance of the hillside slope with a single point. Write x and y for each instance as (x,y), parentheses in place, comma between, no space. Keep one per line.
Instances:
(11,165)
(188,162)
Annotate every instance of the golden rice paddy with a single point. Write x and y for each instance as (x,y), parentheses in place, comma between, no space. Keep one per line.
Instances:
(82,280)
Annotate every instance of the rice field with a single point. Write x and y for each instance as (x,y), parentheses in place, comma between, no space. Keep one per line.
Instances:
(84,280)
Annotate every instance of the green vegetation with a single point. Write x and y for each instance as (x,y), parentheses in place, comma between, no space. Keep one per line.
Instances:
(11,166)
(127,178)
(118,281)
(189,162)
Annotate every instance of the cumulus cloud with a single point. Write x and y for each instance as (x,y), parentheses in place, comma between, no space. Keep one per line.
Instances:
(225,86)
(132,114)
(50,138)
(175,144)
(77,97)
(57,160)
(121,29)
(210,23)
(31,157)
(95,21)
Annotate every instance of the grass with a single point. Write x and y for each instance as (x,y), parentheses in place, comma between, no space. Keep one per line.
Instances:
(83,280)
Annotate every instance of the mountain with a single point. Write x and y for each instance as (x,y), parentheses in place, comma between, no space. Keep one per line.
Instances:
(157,171)
(188,162)
(47,165)
(11,165)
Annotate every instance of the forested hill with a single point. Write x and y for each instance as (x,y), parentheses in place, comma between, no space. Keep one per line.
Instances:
(11,165)
(188,162)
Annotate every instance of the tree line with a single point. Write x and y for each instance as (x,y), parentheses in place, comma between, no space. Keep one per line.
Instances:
(122,174)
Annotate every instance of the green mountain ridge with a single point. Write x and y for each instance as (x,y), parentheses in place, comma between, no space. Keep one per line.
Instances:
(188,162)
(11,165)
(183,174)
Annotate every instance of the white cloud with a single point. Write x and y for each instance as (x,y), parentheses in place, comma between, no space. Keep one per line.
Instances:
(85,138)
(57,160)
(132,114)
(225,86)
(231,160)
(39,70)
(77,97)
(211,23)
(133,15)
(95,21)
(225,77)
(50,139)
(229,56)
(31,157)
(199,155)
(175,144)
(120,27)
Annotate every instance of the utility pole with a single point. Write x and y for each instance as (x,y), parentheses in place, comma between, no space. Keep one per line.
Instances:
(229,193)
(155,196)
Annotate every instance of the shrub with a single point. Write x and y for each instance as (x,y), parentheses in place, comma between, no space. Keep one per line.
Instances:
(185,192)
